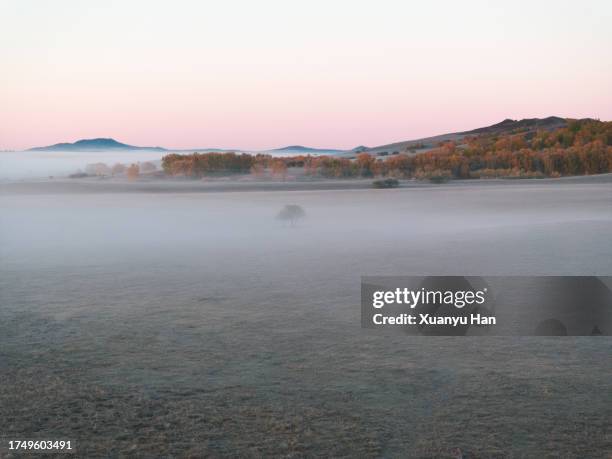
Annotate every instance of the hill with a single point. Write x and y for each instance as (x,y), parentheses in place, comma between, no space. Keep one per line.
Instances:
(509,126)
(532,148)
(506,126)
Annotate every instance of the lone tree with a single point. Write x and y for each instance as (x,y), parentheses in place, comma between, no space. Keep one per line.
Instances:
(291,213)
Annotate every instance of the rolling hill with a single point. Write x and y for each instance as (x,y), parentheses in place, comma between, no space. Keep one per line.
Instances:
(506,126)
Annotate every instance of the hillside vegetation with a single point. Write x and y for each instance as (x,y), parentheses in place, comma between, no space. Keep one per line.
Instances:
(579,147)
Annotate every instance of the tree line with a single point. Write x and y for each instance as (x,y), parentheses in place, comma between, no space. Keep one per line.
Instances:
(131,171)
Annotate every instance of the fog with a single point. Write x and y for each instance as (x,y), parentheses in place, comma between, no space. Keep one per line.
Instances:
(445,231)
(152,294)
(19,165)
(42,164)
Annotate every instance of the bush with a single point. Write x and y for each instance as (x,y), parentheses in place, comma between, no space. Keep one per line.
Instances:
(439,179)
(78,175)
(386,183)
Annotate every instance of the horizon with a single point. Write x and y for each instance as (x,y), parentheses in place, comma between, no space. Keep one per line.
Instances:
(256,77)
(283,147)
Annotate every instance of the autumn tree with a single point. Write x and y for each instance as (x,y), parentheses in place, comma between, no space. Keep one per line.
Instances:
(258,170)
(365,163)
(198,165)
(279,169)
(132,172)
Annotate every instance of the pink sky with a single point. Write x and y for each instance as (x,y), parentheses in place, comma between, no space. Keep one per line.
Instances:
(257,75)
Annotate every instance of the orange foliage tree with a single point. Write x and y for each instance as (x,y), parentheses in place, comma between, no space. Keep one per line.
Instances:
(132,172)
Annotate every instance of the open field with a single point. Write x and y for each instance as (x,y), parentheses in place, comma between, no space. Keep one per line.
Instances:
(95,185)
(140,321)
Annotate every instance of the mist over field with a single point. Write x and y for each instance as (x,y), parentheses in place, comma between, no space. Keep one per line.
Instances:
(199,322)
(27,165)
(42,164)
(463,227)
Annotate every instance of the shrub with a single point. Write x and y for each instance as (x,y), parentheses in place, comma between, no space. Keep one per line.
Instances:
(78,175)
(439,179)
(386,183)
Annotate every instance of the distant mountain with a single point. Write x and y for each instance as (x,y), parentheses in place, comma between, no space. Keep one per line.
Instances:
(111,144)
(93,145)
(302,149)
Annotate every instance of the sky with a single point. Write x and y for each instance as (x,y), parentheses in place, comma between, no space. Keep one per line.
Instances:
(265,74)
